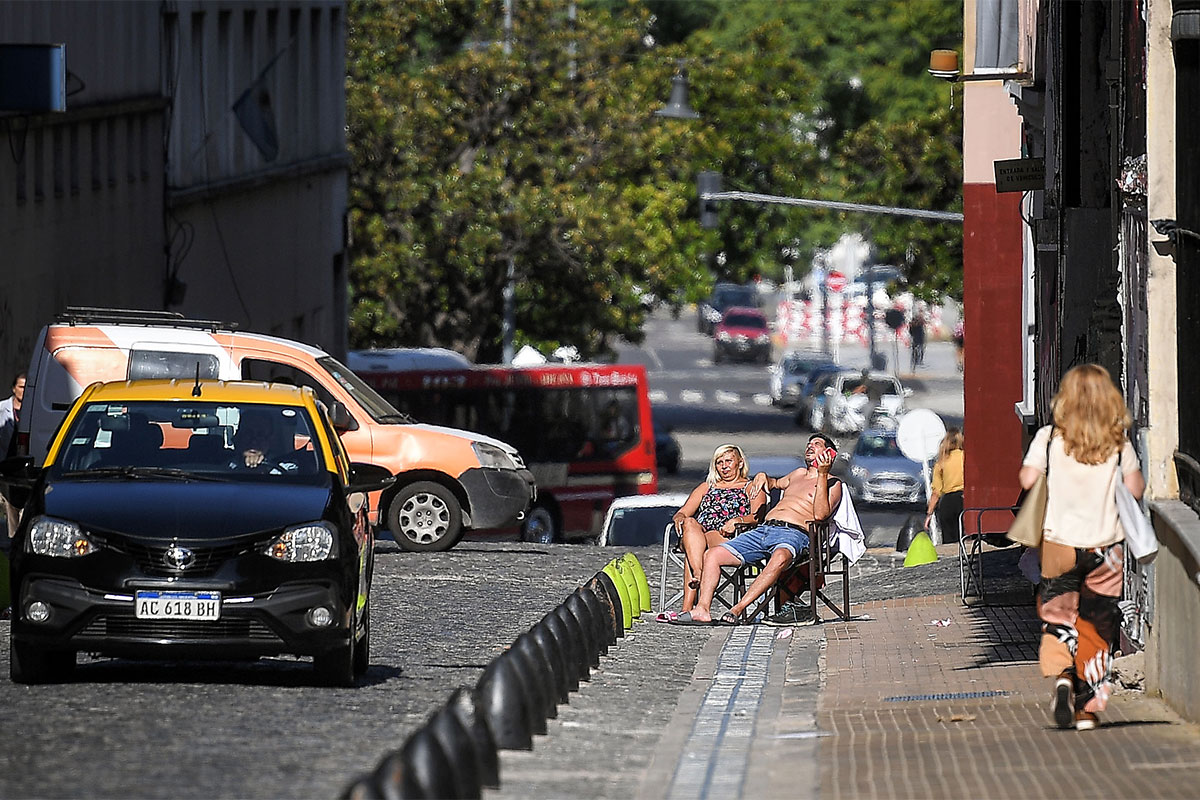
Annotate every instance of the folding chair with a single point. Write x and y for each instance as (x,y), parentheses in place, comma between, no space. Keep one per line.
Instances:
(976,524)
(730,588)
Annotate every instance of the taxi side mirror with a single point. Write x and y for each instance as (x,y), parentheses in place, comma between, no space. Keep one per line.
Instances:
(369,478)
(17,476)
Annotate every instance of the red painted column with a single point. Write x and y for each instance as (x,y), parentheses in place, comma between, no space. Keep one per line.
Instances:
(992,373)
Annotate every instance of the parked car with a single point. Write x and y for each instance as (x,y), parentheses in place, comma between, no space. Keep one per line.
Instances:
(742,335)
(639,520)
(447,480)
(724,297)
(854,401)
(877,472)
(790,374)
(192,520)
(667,452)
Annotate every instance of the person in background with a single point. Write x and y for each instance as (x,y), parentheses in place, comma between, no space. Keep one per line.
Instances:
(10,414)
(916,332)
(946,490)
(958,344)
(1083,455)
(713,512)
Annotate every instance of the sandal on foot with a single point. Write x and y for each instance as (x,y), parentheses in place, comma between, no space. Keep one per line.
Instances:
(685,618)
(666,616)
(729,618)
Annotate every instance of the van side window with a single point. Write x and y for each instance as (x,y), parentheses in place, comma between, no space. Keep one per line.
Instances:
(257,369)
(149,364)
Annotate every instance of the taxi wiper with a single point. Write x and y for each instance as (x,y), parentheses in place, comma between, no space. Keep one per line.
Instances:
(134,473)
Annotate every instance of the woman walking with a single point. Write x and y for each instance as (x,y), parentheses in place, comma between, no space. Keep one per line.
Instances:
(946,489)
(1083,455)
(713,511)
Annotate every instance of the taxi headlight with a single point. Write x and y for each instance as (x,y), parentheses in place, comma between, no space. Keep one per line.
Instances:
(724,336)
(313,541)
(57,537)
(763,338)
(491,456)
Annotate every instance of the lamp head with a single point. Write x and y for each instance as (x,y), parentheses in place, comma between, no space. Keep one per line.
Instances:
(677,107)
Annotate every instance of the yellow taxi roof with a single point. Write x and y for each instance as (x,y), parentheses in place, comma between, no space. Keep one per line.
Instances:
(210,391)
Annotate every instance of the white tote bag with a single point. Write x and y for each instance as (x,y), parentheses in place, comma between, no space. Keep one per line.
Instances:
(1140,540)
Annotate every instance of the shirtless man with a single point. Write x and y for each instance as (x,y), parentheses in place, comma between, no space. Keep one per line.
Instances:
(807,496)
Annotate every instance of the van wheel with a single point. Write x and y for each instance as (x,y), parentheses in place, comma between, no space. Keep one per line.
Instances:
(540,526)
(425,517)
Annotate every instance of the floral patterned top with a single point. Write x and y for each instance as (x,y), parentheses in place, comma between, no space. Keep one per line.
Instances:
(718,506)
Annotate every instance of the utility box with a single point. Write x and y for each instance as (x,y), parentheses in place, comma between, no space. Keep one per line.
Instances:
(33,77)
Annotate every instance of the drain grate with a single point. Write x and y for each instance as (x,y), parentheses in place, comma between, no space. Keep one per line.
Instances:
(945,696)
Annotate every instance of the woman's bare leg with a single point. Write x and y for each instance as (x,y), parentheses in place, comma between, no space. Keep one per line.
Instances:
(694,545)
(689,593)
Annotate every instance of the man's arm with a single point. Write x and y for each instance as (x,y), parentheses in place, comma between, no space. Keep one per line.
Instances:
(822,500)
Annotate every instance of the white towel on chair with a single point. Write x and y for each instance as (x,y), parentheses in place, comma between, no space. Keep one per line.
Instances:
(846,531)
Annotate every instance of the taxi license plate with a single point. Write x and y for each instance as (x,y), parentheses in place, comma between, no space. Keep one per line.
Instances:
(178,605)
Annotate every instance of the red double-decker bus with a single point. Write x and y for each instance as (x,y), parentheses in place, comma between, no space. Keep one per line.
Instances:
(583,430)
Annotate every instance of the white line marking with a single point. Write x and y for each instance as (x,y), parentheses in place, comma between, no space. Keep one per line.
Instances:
(658,396)
(691,396)
(728,398)
(762,399)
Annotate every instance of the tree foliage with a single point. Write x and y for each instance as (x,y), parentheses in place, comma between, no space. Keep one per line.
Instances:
(473,150)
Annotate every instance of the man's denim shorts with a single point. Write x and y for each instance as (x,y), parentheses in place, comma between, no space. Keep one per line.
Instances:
(758,543)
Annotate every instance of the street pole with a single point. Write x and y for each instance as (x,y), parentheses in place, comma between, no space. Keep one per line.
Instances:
(871,316)
(510,291)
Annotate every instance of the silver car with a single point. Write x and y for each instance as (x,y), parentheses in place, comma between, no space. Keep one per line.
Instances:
(790,374)
(877,472)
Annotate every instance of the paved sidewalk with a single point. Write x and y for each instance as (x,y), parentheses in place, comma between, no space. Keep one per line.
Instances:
(925,698)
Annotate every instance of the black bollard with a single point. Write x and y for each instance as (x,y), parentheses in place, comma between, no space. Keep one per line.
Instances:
(534,701)
(459,750)
(568,644)
(609,613)
(463,706)
(908,531)
(578,609)
(579,638)
(543,671)
(614,597)
(504,706)
(537,684)
(419,770)
(548,644)
(595,612)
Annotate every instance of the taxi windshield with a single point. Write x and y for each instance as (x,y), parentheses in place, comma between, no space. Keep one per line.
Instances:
(170,439)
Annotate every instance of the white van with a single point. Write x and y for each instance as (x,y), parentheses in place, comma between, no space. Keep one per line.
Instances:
(448,480)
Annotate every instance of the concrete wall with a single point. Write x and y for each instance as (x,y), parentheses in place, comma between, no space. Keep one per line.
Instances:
(149,175)
(1173,647)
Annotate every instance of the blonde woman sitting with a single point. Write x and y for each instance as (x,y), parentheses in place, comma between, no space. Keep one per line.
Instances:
(713,511)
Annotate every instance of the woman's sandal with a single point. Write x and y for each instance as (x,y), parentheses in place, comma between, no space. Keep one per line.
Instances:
(729,618)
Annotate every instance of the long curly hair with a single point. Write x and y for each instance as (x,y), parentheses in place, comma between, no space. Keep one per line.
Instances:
(1090,414)
(743,468)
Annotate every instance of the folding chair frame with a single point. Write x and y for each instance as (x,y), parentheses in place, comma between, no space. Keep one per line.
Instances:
(970,551)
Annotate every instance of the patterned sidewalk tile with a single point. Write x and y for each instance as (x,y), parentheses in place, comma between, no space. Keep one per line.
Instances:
(928,699)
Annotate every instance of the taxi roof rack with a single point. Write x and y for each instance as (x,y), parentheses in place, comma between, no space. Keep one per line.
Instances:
(89,315)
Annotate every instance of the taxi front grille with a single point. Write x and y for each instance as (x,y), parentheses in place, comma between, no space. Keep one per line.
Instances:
(151,559)
(129,627)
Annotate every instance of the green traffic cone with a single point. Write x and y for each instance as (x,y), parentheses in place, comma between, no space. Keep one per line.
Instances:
(920,551)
